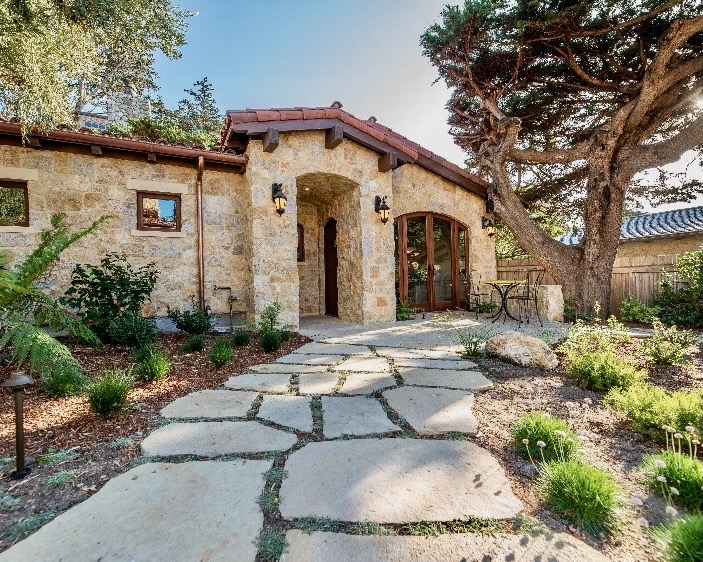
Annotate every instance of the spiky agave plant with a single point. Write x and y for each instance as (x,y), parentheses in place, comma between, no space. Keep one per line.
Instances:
(24,309)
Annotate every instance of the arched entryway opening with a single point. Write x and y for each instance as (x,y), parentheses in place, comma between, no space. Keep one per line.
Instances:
(431,261)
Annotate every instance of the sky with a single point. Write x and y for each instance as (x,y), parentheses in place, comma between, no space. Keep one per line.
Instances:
(309,53)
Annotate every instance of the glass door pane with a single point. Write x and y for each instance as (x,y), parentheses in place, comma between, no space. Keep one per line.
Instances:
(442,238)
(417,260)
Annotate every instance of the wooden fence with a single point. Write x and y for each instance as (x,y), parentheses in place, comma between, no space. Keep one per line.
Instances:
(632,276)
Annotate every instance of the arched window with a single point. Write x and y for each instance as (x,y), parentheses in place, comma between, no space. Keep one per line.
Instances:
(301,243)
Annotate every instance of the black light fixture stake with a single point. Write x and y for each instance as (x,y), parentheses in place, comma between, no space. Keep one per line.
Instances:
(17,383)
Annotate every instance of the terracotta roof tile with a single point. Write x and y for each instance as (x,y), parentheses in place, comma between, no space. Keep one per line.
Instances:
(268,115)
(291,114)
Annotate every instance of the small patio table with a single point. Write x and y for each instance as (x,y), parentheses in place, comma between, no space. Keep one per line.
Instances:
(504,286)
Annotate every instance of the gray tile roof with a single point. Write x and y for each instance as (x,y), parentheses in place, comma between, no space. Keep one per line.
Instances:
(666,223)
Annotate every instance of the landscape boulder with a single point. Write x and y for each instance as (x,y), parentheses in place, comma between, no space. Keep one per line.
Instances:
(523,350)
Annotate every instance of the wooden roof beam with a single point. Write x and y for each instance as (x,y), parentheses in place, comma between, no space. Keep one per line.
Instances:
(334,137)
(271,139)
(388,162)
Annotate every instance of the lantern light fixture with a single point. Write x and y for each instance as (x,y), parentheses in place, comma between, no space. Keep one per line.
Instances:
(17,382)
(488,225)
(382,208)
(279,198)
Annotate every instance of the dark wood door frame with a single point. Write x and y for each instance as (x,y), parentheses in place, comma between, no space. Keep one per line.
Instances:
(330,256)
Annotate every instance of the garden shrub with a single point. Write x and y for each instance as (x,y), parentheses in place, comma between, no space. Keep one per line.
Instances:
(108,291)
(285,333)
(634,310)
(650,407)
(582,494)
(241,337)
(132,331)
(682,472)
(268,319)
(601,370)
(193,344)
(668,346)
(108,393)
(584,338)
(681,540)
(270,341)
(473,339)
(540,426)
(153,365)
(69,380)
(192,321)
(682,303)
(221,353)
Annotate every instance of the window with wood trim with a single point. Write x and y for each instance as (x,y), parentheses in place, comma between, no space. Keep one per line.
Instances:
(301,243)
(14,203)
(158,211)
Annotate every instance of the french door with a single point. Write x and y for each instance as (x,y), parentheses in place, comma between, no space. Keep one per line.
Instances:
(431,258)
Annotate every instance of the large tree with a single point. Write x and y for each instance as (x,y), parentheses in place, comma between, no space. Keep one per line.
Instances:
(563,103)
(56,56)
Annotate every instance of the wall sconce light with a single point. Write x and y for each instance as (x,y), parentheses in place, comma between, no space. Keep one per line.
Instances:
(488,225)
(382,208)
(279,198)
(17,382)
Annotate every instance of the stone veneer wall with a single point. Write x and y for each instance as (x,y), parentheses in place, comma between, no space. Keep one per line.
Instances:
(85,187)
(309,270)
(416,190)
(664,246)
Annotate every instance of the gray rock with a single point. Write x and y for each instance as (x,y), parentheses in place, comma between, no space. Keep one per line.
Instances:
(317,348)
(367,364)
(353,415)
(211,439)
(521,349)
(435,410)
(338,547)
(302,359)
(159,512)
(455,365)
(366,383)
(465,380)
(267,382)
(287,368)
(528,469)
(395,481)
(211,404)
(290,411)
(317,383)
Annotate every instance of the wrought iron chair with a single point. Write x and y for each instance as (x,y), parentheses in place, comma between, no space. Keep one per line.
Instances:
(528,294)
(477,295)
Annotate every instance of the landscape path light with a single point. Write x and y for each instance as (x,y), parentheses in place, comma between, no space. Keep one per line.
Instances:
(17,382)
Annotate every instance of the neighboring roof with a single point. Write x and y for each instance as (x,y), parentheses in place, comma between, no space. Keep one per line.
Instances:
(256,122)
(678,222)
(97,140)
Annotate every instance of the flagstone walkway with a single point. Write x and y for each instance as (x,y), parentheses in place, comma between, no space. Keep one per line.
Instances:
(336,432)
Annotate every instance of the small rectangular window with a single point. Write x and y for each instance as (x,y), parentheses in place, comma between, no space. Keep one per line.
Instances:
(14,203)
(158,211)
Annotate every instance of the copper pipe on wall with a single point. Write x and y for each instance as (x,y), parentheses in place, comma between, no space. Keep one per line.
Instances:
(199,226)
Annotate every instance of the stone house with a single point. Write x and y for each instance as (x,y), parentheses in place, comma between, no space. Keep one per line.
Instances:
(208,219)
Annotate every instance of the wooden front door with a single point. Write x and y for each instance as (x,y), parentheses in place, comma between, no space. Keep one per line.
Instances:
(331,294)
(431,258)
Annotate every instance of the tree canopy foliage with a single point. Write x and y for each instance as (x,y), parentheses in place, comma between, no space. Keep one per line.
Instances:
(56,56)
(563,103)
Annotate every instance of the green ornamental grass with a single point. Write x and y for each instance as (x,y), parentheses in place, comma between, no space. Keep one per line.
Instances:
(270,341)
(152,364)
(221,353)
(582,494)
(193,344)
(684,478)
(681,540)
(240,338)
(539,427)
(601,370)
(107,394)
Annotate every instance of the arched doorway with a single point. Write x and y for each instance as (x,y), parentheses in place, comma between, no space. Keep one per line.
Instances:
(431,261)
(331,290)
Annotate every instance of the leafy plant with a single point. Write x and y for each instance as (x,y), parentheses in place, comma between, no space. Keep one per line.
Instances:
(109,291)
(634,310)
(153,365)
(668,346)
(403,310)
(681,301)
(132,331)
(192,321)
(582,494)
(241,337)
(584,338)
(24,309)
(53,456)
(30,524)
(681,472)
(193,344)
(473,339)
(107,394)
(270,341)
(681,540)
(271,544)
(268,319)
(541,437)
(61,478)
(156,129)
(221,353)
(602,370)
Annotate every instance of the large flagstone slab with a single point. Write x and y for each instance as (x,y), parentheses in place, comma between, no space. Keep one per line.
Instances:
(317,348)
(303,359)
(338,547)
(354,415)
(464,380)
(366,383)
(290,411)
(434,410)
(317,383)
(287,368)
(211,439)
(211,404)
(395,481)
(456,365)
(368,364)
(400,353)
(159,512)
(267,382)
